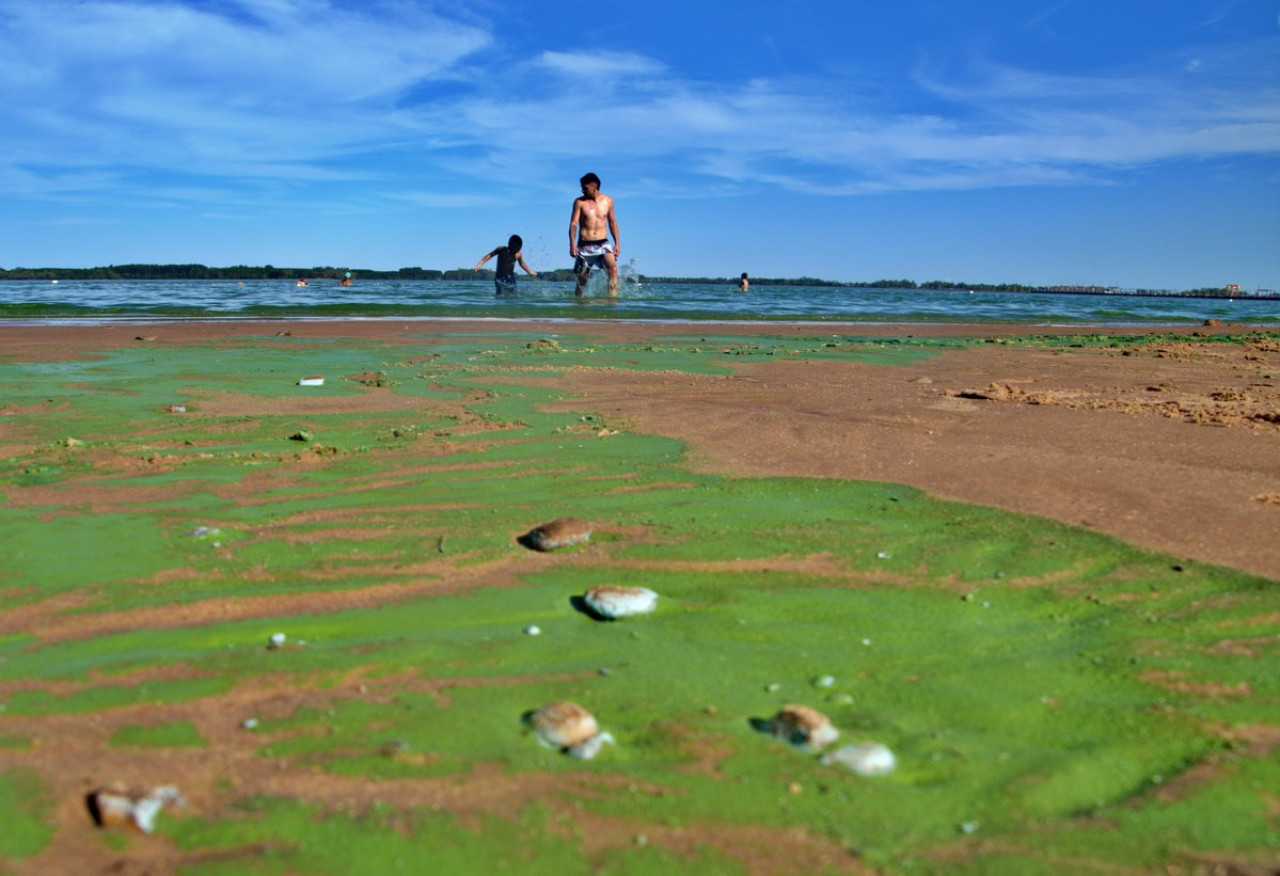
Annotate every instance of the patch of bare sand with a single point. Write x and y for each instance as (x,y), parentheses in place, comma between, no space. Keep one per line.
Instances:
(75,753)
(1191,486)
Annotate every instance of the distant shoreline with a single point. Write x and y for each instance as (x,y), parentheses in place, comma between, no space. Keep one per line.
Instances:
(269,273)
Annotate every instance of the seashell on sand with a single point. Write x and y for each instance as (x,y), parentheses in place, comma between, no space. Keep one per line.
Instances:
(570,728)
(867,759)
(562,532)
(803,727)
(615,602)
(115,807)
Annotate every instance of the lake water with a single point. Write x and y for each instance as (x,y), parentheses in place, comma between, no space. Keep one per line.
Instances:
(109,300)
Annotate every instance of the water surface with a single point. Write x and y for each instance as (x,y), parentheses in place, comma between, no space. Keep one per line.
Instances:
(99,300)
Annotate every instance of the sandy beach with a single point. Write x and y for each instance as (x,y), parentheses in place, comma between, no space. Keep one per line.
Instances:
(1174,447)
(173,498)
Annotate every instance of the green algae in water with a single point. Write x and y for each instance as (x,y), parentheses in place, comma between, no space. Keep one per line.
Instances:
(89,549)
(181,734)
(26,806)
(384,839)
(94,699)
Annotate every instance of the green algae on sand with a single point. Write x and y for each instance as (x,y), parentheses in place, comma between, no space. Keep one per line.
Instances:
(1056,699)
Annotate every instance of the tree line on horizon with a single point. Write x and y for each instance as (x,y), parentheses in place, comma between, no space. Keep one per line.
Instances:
(270,272)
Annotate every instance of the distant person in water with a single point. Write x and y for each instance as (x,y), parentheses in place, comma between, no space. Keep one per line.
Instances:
(744,285)
(504,275)
(346,280)
(594,218)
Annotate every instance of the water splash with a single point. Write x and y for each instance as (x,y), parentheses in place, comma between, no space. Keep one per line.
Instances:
(629,275)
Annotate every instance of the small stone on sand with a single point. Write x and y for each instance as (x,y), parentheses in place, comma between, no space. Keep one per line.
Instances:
(570,728)
(559,533)
(803,727)
(616,602)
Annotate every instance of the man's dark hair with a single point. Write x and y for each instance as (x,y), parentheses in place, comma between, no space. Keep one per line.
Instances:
(589,178)
(516,243)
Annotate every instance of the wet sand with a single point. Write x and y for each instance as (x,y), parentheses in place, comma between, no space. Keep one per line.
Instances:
(1172,446)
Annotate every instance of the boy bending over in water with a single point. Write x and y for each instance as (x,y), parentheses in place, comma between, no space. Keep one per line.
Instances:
(504,279)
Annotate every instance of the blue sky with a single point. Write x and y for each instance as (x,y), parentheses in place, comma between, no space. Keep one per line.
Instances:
(1128,142)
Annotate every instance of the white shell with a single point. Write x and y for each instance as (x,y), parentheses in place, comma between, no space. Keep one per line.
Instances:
(616,602)
(867,759)
(116,808)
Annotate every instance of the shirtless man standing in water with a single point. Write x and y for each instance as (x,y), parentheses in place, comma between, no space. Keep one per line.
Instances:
(594,217)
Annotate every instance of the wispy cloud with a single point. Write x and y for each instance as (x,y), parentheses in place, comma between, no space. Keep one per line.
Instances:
(214,88)
(586,67)
(991,126)
(401,97)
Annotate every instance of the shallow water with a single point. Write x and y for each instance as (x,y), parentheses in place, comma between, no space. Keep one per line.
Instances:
(266,299)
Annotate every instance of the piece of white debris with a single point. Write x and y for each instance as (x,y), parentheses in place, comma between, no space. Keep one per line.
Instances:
(116,807)
(867,759)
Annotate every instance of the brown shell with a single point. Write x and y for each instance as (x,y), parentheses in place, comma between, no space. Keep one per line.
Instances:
(564,725)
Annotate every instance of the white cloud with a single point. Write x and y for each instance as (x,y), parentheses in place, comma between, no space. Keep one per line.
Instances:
(308,92)
(586,68)
(207,89)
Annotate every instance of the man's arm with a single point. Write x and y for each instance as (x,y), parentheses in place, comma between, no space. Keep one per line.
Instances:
(613,226)
(573,228)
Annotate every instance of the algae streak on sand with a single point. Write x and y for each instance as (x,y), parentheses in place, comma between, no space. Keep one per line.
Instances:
(1044,690)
